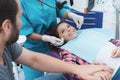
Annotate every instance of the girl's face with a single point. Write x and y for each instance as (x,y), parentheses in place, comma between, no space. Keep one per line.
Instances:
(66,31)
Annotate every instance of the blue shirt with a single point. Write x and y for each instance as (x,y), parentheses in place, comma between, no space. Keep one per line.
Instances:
(37,18)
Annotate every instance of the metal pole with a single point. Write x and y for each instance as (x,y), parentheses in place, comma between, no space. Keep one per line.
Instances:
(117,25)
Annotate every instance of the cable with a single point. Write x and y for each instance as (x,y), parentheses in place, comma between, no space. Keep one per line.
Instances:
(59,5)
(47,4)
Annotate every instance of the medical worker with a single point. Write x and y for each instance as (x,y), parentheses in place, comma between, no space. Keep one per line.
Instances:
(37,18)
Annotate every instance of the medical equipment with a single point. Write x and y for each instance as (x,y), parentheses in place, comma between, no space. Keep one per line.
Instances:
(71,2)
(59,5)
(82,5)
(116,5)
(85,7)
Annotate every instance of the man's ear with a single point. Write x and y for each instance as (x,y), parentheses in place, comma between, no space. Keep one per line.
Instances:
(6,25)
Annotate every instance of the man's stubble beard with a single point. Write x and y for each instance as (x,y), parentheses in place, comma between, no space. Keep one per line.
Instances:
(13,36)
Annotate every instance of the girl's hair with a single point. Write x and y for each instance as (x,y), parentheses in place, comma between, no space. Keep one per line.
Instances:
(54,32)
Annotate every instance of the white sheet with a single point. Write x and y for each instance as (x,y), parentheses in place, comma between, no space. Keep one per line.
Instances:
(104,55)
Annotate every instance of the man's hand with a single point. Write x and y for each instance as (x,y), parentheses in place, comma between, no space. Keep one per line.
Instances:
(53,40)
(88,71)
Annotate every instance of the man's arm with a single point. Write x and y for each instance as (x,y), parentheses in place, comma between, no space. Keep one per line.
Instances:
(42,62)
(47,63)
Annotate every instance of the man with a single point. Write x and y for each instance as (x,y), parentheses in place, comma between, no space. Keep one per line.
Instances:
(10,23)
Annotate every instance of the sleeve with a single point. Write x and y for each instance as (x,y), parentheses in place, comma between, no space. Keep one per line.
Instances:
(26,27)
(15,50)
(115,42)
(67,56)
(65,8)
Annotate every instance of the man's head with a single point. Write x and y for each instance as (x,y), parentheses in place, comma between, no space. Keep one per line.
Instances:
(9,20)
(64,30)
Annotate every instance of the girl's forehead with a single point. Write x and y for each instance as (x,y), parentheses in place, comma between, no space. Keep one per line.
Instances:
(62,25)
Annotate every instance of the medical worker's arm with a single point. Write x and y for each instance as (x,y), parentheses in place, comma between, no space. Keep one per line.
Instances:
(53,40)
(116,52)
(49,64)
(65,13)
(79,20)
(28,30)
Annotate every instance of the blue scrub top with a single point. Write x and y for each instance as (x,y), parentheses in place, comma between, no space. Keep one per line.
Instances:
(37,18)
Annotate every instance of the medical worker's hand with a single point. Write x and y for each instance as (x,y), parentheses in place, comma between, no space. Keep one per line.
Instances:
(53,40)
(79,20)
(116,53)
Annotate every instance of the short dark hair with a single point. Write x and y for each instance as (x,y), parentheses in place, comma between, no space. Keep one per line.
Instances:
(8,10)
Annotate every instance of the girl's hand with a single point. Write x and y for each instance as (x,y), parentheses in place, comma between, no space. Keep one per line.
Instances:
(86,72)
(103,75)
(116,53)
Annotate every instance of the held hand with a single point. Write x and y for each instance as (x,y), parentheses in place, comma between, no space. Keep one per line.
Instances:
(116,53)
(53,40)
(97,63)
(79,20)
(103,75)
(87,71)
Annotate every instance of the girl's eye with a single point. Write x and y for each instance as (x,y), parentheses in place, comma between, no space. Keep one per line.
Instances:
(63,31)
(68,26)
